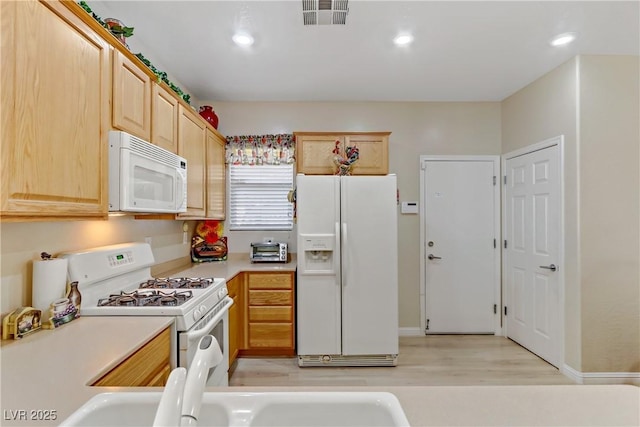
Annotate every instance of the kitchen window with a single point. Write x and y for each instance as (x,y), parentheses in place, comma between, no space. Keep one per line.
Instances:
(258,197)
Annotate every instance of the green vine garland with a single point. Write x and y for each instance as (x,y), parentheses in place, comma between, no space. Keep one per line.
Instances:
(161,75)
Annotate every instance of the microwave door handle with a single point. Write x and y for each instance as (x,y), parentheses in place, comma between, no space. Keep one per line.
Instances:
(196,335)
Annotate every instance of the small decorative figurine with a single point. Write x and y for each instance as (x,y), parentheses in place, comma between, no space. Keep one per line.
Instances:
(20,322)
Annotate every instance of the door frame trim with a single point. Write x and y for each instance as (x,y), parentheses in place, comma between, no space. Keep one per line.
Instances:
(559,141)
(496,226)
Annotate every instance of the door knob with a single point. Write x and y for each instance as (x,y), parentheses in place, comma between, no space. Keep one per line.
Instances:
(431,256)
(551,267)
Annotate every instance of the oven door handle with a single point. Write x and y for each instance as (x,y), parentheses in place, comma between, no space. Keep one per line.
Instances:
(199,333)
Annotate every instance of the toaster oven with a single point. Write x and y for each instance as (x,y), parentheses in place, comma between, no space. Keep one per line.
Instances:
(268,252)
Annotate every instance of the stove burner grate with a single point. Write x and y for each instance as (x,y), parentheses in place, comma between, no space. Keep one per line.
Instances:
(177,283)
(145,298)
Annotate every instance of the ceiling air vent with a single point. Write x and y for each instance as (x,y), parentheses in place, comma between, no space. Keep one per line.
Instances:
(325,12)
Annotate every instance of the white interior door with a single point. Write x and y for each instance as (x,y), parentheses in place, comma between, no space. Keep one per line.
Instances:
(461,216)
(532,234)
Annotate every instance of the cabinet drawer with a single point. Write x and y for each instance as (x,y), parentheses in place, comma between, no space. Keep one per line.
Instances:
(264,335)
(271,281)
(270,314)
(270,297)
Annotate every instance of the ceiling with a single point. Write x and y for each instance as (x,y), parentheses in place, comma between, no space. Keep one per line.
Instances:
(463,50)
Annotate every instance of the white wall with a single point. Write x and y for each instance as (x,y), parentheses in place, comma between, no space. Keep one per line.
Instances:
(416,128)
(610,212)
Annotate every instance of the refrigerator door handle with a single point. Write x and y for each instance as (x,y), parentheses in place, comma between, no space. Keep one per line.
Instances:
(336,263)
(345,248)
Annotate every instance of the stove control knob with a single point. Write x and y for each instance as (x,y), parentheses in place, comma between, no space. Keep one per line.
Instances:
(196,314)
(222,293)
(203,309)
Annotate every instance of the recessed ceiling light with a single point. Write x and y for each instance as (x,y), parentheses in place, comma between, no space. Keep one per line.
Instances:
(403,39)
(563,39)
(242,39)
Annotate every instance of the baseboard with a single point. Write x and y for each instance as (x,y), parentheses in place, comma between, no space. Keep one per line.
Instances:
(410,332)
(601,377)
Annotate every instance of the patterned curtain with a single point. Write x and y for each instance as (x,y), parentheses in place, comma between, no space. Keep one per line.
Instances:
(260,149)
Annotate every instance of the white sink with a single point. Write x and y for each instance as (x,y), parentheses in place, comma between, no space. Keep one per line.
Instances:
(304,409)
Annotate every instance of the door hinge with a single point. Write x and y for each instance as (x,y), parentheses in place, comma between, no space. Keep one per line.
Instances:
(505,243)
(495,308)
(494,243)
(505,180)
(427,328)
(494,180)
(505,310)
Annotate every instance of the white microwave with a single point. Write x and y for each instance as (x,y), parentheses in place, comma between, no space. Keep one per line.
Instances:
(144,177)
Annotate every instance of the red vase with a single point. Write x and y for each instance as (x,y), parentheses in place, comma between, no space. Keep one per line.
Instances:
(206,111)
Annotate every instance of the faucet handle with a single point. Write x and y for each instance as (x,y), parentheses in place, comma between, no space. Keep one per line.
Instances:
(169,410)
(208,355)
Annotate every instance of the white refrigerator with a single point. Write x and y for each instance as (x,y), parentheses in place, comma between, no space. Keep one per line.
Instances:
(347,279)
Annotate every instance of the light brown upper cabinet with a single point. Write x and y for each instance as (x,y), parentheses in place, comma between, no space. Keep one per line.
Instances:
(164,118)
(192,146)
(315,152)
(216,178)
(131,97)
(55,113)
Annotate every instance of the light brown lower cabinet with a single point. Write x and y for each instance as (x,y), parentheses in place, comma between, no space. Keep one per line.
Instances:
(264,324)
(150,366)
(236,328)
(270,314)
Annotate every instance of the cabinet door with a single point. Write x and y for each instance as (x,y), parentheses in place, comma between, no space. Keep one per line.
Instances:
(236,320)
(145,367)
(131,97)
(192,146)
(164,118)
(216,178)
(374,153)
(314,153)
(55,113)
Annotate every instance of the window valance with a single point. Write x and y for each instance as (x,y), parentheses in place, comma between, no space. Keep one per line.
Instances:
(260,149)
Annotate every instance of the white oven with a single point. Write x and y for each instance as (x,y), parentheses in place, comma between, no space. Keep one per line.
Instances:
(215,323)
(116,281)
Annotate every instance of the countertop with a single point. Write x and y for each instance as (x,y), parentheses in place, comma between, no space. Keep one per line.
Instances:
(235,263)
(51,369)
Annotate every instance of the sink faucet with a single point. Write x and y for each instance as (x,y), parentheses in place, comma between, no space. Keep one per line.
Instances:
(182,397)
(170,407)
(207,356)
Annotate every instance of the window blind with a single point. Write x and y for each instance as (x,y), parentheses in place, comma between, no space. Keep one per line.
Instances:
(258,197)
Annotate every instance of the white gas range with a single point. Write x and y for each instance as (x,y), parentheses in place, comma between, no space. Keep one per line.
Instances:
(116,281)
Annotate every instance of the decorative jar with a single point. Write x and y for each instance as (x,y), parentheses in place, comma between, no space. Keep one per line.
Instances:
(206,111)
